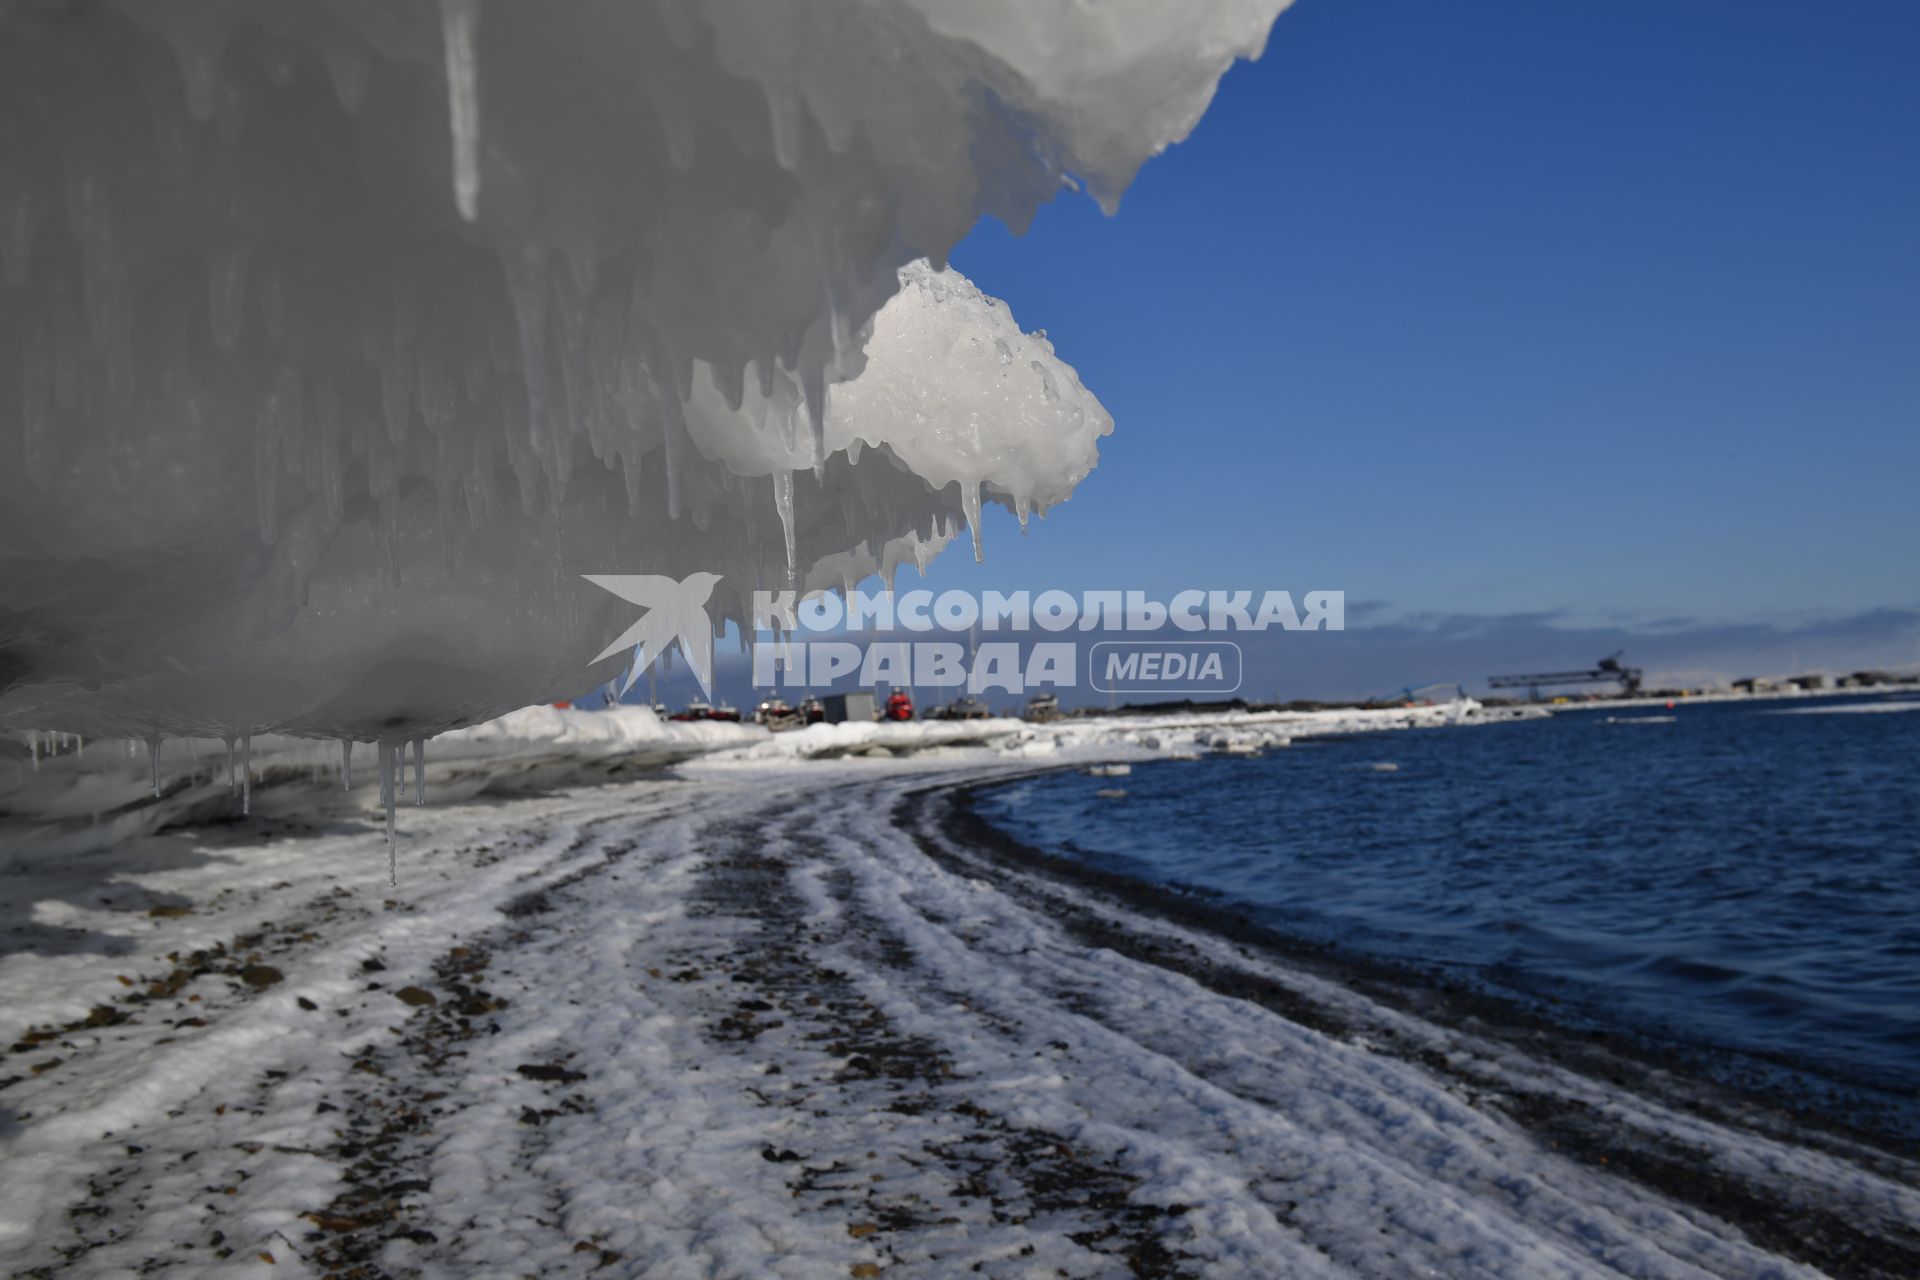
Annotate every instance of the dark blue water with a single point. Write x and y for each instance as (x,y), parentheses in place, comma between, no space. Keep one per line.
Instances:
(1741,879)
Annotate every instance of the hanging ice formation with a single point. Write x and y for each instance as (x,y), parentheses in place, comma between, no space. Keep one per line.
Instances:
(389,754)
(338,339)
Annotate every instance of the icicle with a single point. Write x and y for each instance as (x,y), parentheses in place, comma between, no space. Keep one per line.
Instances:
(970,499)
(814,383)
(670,445)
(346,764)
(387,752)
(527,287)
(246,774)
(33,736)
(783,503)
(231,784)
(784,110)
(419,771)
(458,19)
(153,763)
(387,782)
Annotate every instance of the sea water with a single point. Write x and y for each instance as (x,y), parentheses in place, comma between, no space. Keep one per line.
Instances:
(1738,881)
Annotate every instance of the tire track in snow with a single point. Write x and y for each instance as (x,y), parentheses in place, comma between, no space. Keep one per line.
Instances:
(721,1098)
(202,1140)
(779,1024)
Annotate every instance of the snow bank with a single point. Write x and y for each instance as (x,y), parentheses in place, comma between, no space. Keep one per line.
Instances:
(338,340)
(589,733)
(63,795)
(1098,737)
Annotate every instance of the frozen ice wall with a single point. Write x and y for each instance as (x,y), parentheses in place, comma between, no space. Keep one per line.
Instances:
(338,339)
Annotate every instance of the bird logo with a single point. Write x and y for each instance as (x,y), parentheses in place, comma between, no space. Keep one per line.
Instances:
(676,611)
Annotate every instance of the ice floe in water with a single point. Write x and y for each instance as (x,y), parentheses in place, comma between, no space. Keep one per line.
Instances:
(338,339)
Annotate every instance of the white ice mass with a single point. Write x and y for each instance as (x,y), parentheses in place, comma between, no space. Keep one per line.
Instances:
(339,339)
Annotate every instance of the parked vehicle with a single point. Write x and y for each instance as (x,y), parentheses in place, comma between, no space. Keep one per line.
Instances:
(776,715)
(698,710)
(965,707)
(899,707)
(1042,707)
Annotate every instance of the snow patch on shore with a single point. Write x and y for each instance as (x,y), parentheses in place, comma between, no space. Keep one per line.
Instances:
(742,1022)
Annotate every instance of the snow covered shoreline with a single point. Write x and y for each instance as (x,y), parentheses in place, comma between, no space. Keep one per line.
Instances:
(770,1015)
(65,795)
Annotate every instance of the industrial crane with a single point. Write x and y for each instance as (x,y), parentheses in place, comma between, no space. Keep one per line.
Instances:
(1607,671)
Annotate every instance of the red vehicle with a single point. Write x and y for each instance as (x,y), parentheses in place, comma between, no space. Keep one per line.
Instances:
(899,706)
(698,710)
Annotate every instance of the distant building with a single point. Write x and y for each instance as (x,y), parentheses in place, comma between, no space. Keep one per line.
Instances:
(1753,684)
(1863,680)
(1808,683)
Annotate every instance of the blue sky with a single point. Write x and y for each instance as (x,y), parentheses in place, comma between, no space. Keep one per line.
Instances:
(1540,329)
(1608,312)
